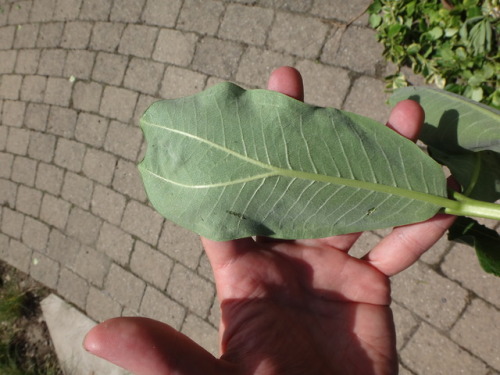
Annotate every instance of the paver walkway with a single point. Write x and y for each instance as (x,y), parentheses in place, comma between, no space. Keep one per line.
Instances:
(75,75)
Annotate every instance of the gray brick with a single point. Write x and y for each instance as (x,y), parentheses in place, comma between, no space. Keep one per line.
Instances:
(106,36)
(50,35)
(49,178)
(6,161)
(108,204)
(142,221)
(365,243)
(91,129)
(42,10)
(73,288)
(128,181)
(10,85)
(126,288)
(461,265)
(435,254)
(202,333)
(41,146)
(434,298)
(109,68)
(69,154)
(99,166)
(7,37)
(343,11)
(161,13)
(7,61)
(77,190)
(26,36)
(115,243)
(191,290)
(76,35)
(127,10)
(27,61)
(123,140)
(44,270)
(175,47)
(143,75)
(297,35)
(405,323)
(138,40)
(217,57)
(19,256)
(36,116)
(474,332)
(28,200)
(63,248)
(429,352)
(370,92)
(179,82)
(18,141)
(151,265)
(247,24)
(100,306)
(62,121)
(52,62)
(358,50)
(13,113)
(3,16)
(20,12)
(92,265)
(33,88)
(118,103)
(202,16)
(180,244)
(4,246)
(67,9)
(95,10)
(318,81)
(215,314)
(23,170)
(257,64)
(9,190)
(158,306)
(4,130)
(87,96)
(83,226)
(54,211)
(79,64)
(12,223)
(58,91)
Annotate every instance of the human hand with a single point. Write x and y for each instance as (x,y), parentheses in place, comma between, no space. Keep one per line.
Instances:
(287,307)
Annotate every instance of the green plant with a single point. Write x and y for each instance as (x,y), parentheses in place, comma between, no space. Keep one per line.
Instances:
(230,163)
(453,44)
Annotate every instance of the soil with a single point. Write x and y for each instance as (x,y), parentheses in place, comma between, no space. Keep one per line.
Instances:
(25,337)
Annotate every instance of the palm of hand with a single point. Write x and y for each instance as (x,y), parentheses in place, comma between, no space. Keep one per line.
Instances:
(318,311)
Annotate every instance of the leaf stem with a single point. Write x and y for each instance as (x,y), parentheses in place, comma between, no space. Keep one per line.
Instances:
(472,207)
(475,174)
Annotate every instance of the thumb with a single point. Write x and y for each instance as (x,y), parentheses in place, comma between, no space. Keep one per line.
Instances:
(148,347)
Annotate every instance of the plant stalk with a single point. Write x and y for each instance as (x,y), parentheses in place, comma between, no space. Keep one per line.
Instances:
(472,207)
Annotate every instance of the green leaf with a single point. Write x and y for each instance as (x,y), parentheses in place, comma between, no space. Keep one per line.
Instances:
(229,163)
(453,123)
(485,241)
(463,135)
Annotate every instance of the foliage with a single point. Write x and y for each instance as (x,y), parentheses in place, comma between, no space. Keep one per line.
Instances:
(453,44)
(230,163)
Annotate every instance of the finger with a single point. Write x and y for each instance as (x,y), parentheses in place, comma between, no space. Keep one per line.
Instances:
(407,118)
(406,244)
(148,347)
(288,81)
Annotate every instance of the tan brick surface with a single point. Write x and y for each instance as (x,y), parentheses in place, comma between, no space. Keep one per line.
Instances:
(76,76)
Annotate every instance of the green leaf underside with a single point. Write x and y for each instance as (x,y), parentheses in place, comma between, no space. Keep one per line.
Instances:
(229,163)
(485,241)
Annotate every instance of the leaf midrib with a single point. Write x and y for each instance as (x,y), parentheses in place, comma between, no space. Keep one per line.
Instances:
(277,171)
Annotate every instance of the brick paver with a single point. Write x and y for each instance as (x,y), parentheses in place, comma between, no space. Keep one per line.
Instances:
(76,75)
